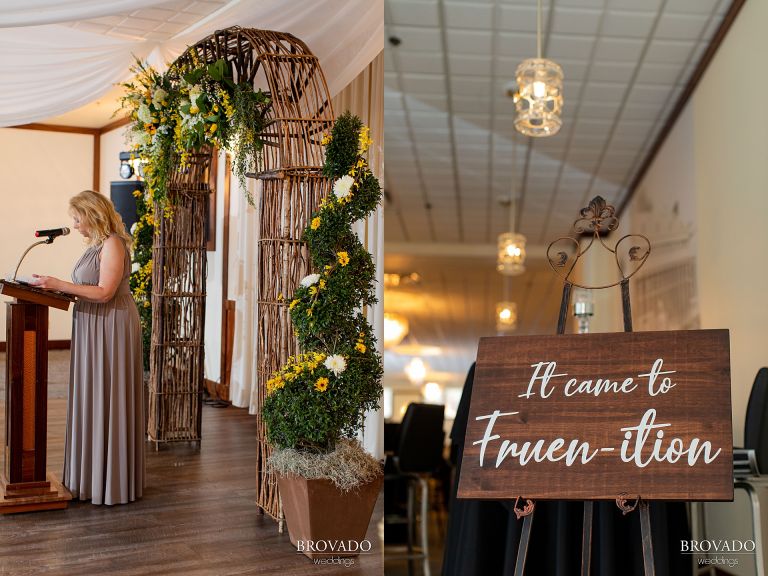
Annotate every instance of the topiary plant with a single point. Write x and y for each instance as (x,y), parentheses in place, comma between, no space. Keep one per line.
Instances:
(320,397)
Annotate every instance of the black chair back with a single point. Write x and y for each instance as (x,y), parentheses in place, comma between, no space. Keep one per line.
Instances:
(756,423)
(421,438)
(391,436)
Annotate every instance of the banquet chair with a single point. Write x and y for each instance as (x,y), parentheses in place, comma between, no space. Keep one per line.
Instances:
(419,454)
(751,462)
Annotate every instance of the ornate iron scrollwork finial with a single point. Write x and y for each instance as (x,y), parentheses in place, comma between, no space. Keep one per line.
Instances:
(623,503)
(598,219)
(526,510)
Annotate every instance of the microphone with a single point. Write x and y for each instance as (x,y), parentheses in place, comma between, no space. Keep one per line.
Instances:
(49,235)
(52,233)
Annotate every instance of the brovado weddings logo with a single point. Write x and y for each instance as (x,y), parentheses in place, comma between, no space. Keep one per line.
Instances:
(334,549)
(718,551)
(643,443)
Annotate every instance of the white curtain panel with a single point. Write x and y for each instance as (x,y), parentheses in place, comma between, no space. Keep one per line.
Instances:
(244,266)
(47,70)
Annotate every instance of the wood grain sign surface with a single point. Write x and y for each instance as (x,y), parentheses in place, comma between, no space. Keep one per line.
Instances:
(594,416)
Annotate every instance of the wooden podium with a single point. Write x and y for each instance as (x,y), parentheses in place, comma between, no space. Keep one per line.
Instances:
(24,484)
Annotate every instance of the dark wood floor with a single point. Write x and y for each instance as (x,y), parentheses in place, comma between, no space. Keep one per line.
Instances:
(198,515)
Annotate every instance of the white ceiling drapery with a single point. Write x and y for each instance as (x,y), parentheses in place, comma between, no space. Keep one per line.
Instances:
(50,68)
(37,12)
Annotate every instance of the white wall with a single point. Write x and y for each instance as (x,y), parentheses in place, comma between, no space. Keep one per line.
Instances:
(714,167)
(41,171)
(731,148)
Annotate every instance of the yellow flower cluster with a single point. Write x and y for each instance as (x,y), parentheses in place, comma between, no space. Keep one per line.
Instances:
(315,223)
(360,346)
(225,103)
(343,258)
(364,140)
(295,368)
(144,276)
(326,140)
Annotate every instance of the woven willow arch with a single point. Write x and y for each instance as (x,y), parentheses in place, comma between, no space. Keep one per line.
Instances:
(292,185)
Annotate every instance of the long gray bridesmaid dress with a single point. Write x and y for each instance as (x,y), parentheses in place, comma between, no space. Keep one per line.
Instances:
(104,446)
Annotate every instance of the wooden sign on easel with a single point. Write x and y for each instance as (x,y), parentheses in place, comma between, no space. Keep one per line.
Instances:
(598,416)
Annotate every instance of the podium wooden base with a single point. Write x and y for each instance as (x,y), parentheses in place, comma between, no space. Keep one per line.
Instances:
(33,496)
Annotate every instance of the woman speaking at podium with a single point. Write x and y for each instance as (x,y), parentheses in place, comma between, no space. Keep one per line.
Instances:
(104,447)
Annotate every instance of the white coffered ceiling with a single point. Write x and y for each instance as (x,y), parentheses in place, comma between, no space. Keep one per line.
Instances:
(452,152)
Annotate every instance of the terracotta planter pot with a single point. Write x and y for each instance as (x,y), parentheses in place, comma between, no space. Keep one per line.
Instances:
(323,521)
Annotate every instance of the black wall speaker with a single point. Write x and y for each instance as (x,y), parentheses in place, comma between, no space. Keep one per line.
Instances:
(121,194)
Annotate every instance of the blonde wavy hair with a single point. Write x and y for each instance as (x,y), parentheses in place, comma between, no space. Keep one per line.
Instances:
(98,214)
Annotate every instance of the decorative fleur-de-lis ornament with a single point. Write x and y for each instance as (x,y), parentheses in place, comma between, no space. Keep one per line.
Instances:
(596,221)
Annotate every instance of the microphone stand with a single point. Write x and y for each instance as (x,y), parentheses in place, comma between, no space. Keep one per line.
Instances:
(48,240)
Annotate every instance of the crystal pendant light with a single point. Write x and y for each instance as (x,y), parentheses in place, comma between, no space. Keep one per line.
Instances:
(506,316)
(539,96)
(511,254)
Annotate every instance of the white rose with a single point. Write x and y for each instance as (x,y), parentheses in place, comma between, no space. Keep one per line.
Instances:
(343,186)
(307,281)
(133,231)
(194,94)
(159,97)
(135,267)
(144,114)
(142,138)
(336,364)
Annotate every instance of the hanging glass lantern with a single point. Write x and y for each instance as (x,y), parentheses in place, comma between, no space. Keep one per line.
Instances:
(511,254)
(506,316)
(539,97)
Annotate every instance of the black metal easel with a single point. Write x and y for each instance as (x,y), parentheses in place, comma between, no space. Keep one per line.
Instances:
(596,220)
